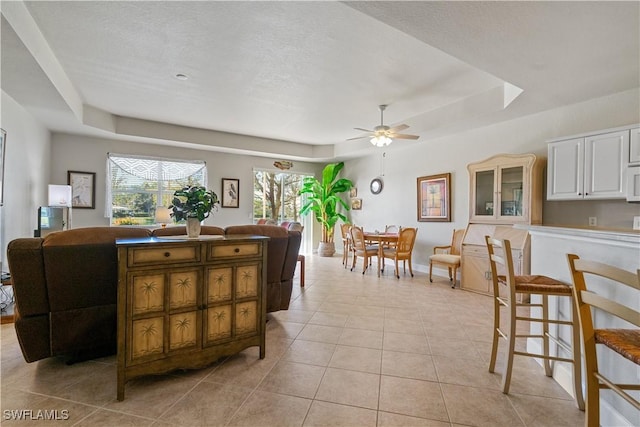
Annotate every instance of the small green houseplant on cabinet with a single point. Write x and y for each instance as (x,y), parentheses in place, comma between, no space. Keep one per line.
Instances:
(324,200)
(193,203)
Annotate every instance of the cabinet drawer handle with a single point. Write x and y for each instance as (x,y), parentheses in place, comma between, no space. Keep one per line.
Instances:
(236,250)
(167,254)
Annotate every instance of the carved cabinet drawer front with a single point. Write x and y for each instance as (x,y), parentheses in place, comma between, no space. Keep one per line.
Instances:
(239,250)
(475,250)
(145,256)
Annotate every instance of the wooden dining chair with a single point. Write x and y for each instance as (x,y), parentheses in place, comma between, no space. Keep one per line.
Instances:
(361,249)
(625,343)
(346,243)
(391,229)
(402,251)
(449,256)
(505,288)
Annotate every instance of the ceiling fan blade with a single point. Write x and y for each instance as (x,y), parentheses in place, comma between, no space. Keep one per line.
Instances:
(358,137)
(403,136)
(398,128)
(364,130)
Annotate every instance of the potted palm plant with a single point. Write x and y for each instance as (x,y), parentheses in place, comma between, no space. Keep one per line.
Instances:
(193,203)
(324,200)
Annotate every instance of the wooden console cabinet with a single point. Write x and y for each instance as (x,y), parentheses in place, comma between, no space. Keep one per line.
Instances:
(476,271)
(184,303)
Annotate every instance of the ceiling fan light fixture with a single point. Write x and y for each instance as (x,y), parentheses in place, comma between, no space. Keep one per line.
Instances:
(381,140)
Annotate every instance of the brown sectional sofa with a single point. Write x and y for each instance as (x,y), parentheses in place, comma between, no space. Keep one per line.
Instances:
(65,285)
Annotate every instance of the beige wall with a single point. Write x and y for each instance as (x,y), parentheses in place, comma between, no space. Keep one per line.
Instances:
(79,153)
(397,204)
(26,173)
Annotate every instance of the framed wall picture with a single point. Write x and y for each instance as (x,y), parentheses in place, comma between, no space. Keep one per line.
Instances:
(356,204)
(3,141)
(353,192)
(83,189)
(230,193)
(434,198)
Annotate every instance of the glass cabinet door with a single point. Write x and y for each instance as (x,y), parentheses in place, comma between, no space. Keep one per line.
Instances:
(511,182)
(485,192)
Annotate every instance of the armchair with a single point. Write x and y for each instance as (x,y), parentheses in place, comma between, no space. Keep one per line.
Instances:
(448,255)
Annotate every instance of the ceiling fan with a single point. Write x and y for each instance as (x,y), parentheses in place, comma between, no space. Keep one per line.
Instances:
(384,135)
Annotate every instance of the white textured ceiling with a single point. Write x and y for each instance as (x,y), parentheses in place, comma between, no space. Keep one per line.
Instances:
(302,75)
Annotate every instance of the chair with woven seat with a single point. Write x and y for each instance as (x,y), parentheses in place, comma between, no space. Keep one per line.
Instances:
(402,251)
(624,342)
(391,229)
(361,249)
(505,288)
(449,256)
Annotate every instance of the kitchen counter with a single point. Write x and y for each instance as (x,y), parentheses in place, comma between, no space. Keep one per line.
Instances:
(612,236)
(621,248)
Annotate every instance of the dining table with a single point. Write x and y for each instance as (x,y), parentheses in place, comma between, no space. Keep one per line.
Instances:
(382,239)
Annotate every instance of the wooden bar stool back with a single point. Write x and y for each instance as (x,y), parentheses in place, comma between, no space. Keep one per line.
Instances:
(624,342)
(505,288)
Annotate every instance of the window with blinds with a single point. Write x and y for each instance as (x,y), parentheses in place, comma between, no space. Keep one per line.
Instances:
(137,186)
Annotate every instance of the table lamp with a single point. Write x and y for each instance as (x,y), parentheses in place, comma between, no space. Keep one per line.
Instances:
(60,196)
(163,216)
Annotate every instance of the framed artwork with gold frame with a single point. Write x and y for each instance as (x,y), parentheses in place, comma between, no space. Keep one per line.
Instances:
(434,198)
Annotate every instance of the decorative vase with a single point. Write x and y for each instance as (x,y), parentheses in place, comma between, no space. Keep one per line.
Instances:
(193,228)
(326,249)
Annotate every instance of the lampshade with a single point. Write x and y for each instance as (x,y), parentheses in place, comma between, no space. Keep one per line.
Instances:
(60,195)
(381,140)
(163,215)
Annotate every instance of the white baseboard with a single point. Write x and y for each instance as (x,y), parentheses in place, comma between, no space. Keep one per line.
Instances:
(562,373)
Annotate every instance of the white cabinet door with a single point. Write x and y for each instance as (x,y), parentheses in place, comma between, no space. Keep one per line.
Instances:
(634,147)
(633,184)
(588,168)
(565,170)
(606,158)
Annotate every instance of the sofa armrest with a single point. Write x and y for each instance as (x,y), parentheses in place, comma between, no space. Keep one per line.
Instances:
(26,264)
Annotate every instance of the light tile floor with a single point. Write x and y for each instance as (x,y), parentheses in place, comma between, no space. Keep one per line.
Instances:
(352,350)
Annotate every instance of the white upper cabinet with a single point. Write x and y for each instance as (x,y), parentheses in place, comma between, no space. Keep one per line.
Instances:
(634,147)
(590,167)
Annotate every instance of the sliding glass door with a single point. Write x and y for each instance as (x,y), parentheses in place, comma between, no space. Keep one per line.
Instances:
(275,196)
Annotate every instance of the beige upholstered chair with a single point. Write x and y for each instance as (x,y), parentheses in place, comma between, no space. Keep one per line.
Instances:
(449,256)
(505,288)
(346,243)
(623,342)
(402,251)
(360,249)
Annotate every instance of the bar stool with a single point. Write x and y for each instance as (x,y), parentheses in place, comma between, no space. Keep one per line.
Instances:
(624,342)
(527,286)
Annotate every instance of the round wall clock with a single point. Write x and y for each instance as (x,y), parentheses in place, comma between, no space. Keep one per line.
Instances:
(376,185)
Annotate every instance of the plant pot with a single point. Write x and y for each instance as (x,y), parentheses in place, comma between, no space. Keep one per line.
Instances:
(193,228)
(326,249)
